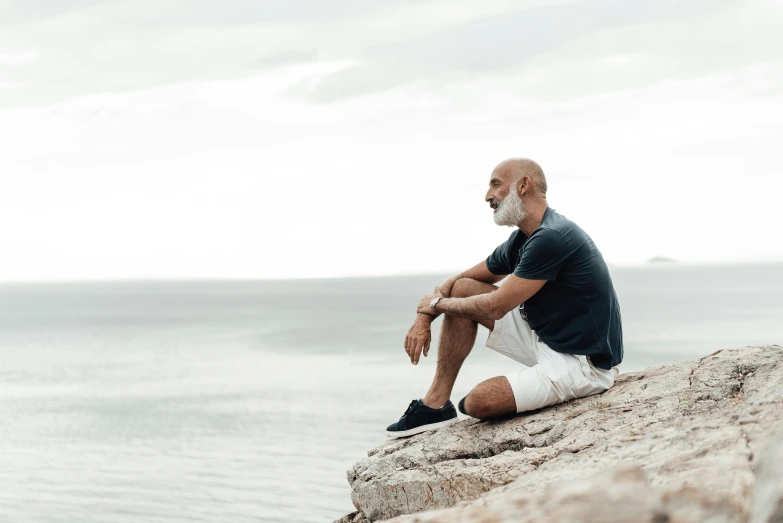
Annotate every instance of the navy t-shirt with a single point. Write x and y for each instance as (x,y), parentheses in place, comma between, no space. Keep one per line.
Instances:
(576,311)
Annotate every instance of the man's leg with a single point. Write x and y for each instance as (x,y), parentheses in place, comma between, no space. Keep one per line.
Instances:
(556,378)
(491,398)
(546,377)
(457,336)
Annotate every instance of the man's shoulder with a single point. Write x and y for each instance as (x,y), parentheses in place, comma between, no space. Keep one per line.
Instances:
(558,227)
(555,221)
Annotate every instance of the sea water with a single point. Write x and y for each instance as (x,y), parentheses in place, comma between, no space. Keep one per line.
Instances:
(239,401)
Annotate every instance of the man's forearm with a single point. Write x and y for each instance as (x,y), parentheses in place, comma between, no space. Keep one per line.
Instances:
(426,317)
(479,272)
(476,308)
(445,290)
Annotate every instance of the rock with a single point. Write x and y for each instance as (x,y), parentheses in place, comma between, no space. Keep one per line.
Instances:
(691,433)
(353,517)
(631,498)
(768,495)
(617,496)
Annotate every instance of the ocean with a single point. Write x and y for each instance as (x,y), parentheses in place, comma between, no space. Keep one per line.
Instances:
(235,401)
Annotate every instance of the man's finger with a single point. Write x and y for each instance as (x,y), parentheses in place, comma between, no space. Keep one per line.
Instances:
(426,348)
(417,352)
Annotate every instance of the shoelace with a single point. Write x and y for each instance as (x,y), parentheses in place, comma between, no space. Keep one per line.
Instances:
(410,408)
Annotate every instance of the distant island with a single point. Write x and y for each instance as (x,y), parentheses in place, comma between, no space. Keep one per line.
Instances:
(661,259)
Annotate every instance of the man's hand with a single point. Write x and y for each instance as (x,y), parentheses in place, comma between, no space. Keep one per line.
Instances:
(419,337)
(424,304)
(445,287)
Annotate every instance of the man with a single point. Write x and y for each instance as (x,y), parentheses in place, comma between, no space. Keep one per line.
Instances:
(556,313)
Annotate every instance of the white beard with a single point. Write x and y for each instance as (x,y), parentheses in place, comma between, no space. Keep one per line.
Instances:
(511,211)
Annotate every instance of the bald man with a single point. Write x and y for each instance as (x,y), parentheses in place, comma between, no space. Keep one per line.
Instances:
(556,313)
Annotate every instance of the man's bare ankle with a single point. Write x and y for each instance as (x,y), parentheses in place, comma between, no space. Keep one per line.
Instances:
(434,402)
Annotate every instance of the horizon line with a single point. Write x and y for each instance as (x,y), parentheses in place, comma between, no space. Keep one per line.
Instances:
(154,279)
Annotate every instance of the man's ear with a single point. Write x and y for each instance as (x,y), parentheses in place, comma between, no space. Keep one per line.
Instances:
(523,185)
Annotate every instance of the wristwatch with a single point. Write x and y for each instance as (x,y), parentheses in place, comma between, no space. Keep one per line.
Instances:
(434,302)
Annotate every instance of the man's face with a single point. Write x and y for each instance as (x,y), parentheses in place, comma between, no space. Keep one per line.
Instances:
(499,187)
(502,196)
(498,190)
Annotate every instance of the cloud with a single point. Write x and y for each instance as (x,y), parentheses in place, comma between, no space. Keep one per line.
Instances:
(17,57)
(565,48)
(207,142)
(15,13)
(538,48)
(173,13)
(10,61)
(287,57)
(229,179)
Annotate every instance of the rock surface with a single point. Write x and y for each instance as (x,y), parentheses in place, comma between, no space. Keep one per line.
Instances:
(768,494)
(670,443)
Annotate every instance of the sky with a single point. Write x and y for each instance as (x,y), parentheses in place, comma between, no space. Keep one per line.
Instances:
(297,139)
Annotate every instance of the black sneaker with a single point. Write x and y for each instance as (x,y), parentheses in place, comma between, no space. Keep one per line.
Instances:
(421,418)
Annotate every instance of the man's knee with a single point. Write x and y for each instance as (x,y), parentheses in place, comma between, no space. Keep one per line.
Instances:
(490,399)
(474,407)
(460,288)
(466,287)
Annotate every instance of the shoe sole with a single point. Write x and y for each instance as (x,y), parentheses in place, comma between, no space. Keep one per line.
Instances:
(419,430)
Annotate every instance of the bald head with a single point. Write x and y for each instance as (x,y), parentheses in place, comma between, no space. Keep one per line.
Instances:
(516,168)
(517,193)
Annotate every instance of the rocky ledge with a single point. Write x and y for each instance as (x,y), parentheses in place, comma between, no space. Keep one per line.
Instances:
(695,441)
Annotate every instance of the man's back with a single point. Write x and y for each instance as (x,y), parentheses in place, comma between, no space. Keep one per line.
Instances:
(576,311)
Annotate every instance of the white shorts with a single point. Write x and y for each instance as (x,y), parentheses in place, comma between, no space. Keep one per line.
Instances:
(549,377)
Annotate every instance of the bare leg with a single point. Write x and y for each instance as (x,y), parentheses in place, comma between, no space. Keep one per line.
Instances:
(457,336)
(491,398)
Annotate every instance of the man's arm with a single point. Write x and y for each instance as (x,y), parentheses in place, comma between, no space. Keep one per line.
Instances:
(492,306)
(479,272)
(544,254)
(419,335)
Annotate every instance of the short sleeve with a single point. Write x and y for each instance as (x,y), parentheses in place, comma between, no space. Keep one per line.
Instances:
(543,255)
(499,261)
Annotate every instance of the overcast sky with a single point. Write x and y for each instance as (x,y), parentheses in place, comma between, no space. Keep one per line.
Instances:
(281,138)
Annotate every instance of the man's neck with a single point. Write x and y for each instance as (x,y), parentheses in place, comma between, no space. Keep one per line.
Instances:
(535,213)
